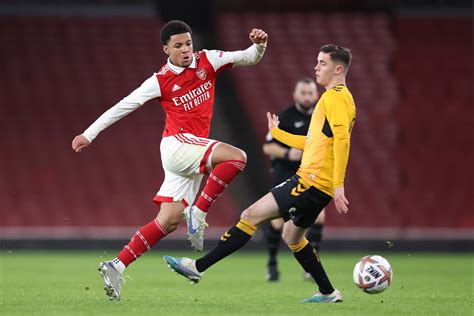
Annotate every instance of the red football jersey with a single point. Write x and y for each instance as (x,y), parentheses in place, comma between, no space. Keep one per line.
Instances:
(188,97)
(186,94)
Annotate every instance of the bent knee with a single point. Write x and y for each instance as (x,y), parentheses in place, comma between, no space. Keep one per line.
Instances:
(169,224)
(286,238)
(249,217)
(277,224)
(290,239)
(241,155)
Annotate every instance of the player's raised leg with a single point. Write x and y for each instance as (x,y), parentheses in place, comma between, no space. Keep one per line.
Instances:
(146,237)
(226,163)
(260,212)
(237,236)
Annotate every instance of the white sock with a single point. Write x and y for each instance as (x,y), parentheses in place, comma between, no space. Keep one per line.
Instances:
(119,265)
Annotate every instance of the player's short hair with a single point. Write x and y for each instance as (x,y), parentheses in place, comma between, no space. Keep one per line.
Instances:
(305,80)
(172,28)
(338,54)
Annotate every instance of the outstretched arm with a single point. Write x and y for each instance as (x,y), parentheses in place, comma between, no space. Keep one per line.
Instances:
(247,57)
(148,90)
(295,141)
(275,150)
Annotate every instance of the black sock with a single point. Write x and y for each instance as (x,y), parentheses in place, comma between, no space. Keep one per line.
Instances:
(229,243)
(308,257)
(314,235)
(273,242)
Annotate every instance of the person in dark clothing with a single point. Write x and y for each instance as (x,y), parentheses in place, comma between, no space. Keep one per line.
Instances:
(285,161)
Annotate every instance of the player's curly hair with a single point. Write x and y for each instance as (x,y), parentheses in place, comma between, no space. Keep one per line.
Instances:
(338,54)
(172,28)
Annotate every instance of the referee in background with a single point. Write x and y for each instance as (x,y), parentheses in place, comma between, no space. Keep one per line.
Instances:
(285,161)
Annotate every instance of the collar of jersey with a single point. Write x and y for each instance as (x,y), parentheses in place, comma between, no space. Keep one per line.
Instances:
(177,69)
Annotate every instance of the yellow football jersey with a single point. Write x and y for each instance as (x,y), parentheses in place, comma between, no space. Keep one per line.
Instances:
(326,146)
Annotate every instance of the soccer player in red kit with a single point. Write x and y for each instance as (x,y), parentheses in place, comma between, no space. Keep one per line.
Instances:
(185,87)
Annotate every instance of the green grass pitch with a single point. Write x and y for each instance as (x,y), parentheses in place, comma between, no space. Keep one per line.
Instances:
(67,283)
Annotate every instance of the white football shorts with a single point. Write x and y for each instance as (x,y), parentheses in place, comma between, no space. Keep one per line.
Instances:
(185,158)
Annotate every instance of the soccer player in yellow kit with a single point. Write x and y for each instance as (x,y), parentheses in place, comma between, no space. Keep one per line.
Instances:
(300,199)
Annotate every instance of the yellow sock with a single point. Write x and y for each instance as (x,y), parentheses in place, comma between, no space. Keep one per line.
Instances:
(297,247)
(246,227)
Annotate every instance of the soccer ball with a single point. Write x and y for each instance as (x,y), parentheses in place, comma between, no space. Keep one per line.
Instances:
(373,274)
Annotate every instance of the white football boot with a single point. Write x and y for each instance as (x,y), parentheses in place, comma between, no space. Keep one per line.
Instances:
(195,223)
(334,297)
(184,266)
(112,280)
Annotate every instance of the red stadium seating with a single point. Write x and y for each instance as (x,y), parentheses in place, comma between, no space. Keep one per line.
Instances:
(436,119)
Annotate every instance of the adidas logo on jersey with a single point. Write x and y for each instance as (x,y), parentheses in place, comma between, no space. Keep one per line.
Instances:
(175,88)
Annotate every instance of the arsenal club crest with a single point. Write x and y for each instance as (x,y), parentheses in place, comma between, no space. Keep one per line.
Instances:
(201,73)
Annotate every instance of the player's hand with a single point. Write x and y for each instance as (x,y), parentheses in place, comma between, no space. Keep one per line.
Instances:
(257,36)
(295,154)
(340,200)
(272,121)
(79,142)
